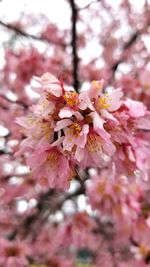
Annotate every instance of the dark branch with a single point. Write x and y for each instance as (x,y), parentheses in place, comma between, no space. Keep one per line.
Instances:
(126,46)
(90,4)
(19,102)
(75,60)
(49,201)
(132,40)
(28,35)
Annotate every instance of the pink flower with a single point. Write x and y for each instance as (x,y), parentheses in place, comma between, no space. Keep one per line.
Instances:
(49,84)
(109,101)
(96,152)
(75,102)
(104,101)
(37,127)
(13,253)
(75,135)
(50,165)
(115,197)
(44,107)
(77,231)
(95,89)
(86,129)
(135,109)
(85,101)
(83,143)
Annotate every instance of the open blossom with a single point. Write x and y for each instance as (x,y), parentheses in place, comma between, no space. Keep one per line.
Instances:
(95,151)
(13,253)
(75,136)
(49,165)
(86,144)
(132,148)
(66,129)
(105,103)
(135,109)
(77,231)
(37,129)
(115,197)
(49,84)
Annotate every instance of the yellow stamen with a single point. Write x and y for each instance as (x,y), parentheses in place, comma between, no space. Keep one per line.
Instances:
(93,143)
(53,159)
(52,156)
(44,104)
(146,86)
(97,84)
(143,250)
(31,121)
(44,130)
(49,97)
(103,102)
(72,99)
(101,188)
(75,129)
(117,188)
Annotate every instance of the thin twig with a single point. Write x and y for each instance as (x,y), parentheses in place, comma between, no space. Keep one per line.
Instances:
(126,46)
(88,5)
(28,35)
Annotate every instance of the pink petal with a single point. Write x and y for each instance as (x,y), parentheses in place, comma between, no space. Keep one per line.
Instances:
(66,112)
(97,120)
(136,109)
(85,101)
(114,101)
(95,89)
(62,124)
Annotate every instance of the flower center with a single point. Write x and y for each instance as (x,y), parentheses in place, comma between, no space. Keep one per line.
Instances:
(75,129)
(93,142)
(12,251)
(97,84)
(143,250)
(49,96)
(103,102)
(53,159)
(72,99)
(43,130)
(101,188)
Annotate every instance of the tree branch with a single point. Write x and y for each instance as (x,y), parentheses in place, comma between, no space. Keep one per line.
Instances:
(126,46)
(88,5)
(75,60)
(56,199)
(28,35)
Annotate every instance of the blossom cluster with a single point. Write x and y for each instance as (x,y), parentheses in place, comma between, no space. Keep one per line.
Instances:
(66,129)
(13,254)
(118,198)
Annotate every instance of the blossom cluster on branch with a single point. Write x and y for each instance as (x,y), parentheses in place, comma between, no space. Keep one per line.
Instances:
(66,130)
(75,165)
